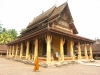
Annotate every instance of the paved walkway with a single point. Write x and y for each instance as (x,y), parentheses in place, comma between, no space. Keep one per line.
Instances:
(10,67)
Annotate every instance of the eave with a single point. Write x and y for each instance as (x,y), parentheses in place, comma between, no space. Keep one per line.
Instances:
(72,36)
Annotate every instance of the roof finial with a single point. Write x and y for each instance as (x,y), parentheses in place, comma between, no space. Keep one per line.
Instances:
(43,11)
(34,16)
(67,1)
(56,3)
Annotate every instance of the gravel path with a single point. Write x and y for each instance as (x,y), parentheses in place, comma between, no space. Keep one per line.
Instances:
(10,67)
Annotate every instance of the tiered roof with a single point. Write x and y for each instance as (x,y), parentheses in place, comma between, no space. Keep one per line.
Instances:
(35,27)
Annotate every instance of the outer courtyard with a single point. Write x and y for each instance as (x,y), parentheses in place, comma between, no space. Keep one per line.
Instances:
(10,67)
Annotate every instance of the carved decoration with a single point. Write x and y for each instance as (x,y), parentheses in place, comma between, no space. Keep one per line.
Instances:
(59,28)
(46,39)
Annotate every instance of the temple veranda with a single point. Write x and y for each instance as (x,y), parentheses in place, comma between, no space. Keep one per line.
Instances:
(51,36)
(45,48)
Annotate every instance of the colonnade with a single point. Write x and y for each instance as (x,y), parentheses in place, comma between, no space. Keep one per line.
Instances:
(13,49)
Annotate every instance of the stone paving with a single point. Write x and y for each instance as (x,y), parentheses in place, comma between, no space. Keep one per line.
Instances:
(10,67)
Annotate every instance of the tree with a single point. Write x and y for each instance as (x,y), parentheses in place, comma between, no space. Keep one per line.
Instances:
(12,33)
(4,38)
(4,30)
(8,35)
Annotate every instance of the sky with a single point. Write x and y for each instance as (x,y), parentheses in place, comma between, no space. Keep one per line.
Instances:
(17,14)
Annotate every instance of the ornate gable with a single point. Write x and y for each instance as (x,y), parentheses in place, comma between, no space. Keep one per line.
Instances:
(65,21)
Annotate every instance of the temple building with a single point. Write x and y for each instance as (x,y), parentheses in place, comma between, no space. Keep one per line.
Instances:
(52,36)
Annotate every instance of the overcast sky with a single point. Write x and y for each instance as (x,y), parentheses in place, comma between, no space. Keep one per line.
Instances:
(17,14)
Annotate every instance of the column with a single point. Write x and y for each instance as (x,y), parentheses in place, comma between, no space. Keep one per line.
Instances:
(33,48)
(61,48)
(12,50)
(90,47)
(79,51)
(71,49)
(48,41)
(68,48)
(27,50)
(36,49)
(21,50)
(7,52)
(85,51)
(16,50)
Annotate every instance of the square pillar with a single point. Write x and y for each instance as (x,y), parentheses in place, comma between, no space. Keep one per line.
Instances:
(36,49)
(79,51)
(21,50)
(48,41)
(27,50)
(61,48)
(90,47)
(85,51)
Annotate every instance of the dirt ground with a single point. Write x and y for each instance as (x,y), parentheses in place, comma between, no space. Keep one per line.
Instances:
(10,67)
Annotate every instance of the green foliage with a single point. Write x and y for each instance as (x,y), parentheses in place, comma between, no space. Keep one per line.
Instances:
(7,35)
(4,38)
(12,33)
(4,30)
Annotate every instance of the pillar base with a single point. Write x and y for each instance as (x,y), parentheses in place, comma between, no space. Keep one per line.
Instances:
(92,60)
(86,57)
(79,57)
(90,57)
(73,58)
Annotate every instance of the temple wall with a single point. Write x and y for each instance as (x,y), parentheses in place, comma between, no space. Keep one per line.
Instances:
(56,44)
(65,17)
